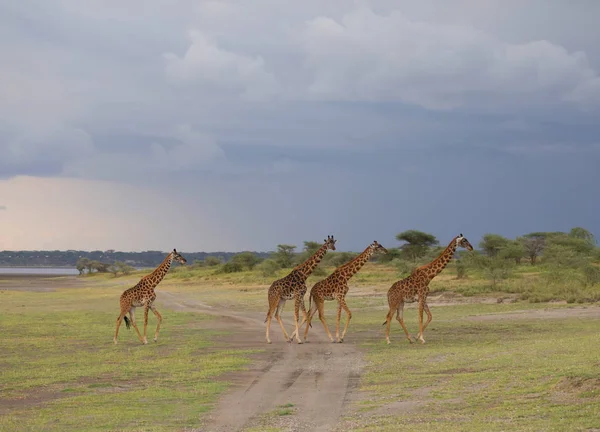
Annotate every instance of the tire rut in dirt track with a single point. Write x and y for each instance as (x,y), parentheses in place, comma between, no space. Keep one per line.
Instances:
(316,377)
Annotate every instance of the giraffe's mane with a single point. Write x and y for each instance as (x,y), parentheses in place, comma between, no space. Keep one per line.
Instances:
(450,245)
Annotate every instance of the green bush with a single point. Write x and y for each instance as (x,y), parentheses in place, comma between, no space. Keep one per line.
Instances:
(404,267)
(230,267)
(461,269)
(591,274)
(268,267)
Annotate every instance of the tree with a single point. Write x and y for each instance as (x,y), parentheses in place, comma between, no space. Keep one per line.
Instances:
(417,243)
(82,264)
(492,244)
(284,255)
(246,260)
(310,247)
(582,234)
(533,244)
(513,250)
(100,267)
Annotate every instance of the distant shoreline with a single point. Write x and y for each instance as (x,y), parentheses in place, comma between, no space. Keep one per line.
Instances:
(37,266)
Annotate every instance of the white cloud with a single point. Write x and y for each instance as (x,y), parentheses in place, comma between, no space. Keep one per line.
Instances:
(367,56)
(207,64)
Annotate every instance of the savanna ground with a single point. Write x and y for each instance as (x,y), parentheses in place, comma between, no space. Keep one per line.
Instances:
(497,358)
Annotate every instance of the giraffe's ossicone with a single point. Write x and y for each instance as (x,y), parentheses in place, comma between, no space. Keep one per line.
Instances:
(143,295)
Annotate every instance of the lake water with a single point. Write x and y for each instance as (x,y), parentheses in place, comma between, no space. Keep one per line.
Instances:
(50,271)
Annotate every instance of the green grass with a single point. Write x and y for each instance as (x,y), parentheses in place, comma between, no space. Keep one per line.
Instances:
(506,374)
(63,361)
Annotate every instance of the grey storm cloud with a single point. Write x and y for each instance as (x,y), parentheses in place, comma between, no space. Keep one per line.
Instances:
(3,207)
(251,92)
(257,73)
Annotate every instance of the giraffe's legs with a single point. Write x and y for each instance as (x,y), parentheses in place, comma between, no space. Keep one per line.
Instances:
(132,315)
(400,318)
(308,319)
(349,314)
(278,318)
(321,308)
(273,305)
(388,320)
(421,328)
(119,320)
(337,321)
(159,317)
(146,308)
(298,304)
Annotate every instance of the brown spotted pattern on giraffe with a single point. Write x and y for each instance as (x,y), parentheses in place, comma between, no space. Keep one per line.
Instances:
(143,295)
(293,286)
(417,285)
(335,287)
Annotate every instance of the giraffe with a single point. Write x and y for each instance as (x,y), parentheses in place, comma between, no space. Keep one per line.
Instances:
(416,286)
(335,287)
(142,294)
(293,286)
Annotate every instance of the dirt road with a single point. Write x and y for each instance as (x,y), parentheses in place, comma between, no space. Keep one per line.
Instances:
(315,379)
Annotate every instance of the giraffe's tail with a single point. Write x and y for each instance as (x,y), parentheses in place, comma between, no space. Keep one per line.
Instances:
(127,323)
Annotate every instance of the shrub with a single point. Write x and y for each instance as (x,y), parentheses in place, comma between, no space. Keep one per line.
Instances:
(461,269)
(591,274)
(212,261)
(268,267)
(230,267)
(405,268)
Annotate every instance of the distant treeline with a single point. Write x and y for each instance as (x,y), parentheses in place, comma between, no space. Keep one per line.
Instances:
(71,257)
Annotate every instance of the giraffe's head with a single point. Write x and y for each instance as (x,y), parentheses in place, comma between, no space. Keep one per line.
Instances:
(330,242)
(378,248)
(463,242)
(177,257)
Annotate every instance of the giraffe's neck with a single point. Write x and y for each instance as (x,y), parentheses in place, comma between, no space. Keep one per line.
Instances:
(160,272)
(307,267)
(351,268)
(436,266)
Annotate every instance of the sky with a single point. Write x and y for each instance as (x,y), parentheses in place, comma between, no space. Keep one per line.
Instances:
(237,125)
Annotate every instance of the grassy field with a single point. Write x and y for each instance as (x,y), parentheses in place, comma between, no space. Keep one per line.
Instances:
(61,370)
(496,358)
(483,369)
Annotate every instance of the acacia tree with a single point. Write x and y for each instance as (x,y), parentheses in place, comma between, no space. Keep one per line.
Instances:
(492,244)
(310,247)
(284,255)
(513,250)
(533,244)
(583,234)
(417,243)
(82,264)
